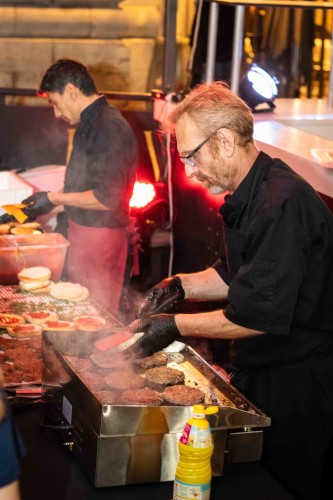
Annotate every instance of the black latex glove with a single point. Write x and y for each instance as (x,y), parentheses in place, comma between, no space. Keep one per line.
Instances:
(6,219)
(38,204)
(160,330)
(162,297)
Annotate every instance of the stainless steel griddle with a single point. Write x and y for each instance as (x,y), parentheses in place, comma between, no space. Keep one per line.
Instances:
(126,444)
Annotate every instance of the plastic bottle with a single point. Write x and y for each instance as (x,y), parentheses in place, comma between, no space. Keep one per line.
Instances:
(195,446)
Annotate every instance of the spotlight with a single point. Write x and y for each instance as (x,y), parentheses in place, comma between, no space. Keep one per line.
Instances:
(258,88)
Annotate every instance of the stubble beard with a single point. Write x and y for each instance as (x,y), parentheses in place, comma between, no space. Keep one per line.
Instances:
(214,183)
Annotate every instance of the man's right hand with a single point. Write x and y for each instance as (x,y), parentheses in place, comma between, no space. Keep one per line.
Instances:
(37,204)
(162,297)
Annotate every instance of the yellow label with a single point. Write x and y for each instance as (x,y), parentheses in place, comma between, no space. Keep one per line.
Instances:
(186,491)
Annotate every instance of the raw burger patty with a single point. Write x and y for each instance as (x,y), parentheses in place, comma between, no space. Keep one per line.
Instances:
(183,395)
(92,381)
(162,376)
(108,359)
(141,397)
(79,364)
(157,359)
(105,397)
(122,380)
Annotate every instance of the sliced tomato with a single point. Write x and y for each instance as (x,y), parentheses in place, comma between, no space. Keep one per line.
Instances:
(24,328)
(38,314)
(90,321)
(56,324)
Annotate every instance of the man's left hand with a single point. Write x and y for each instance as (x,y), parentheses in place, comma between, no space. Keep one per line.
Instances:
(160,330)
(37,204)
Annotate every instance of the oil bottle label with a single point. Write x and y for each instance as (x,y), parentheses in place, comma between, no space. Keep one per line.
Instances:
(185,491)
(196,437)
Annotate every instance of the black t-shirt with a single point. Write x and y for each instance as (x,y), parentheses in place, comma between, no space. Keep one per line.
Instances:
(103,159)
(277,258)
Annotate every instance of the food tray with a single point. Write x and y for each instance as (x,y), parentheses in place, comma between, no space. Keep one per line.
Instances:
(14,301)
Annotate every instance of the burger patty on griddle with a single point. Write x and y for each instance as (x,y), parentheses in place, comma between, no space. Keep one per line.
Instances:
(92,381)
(106,397)
(108,359)
(122,380)
(141,397)
(182,395)
(78,364)
(162,376)
(157,359)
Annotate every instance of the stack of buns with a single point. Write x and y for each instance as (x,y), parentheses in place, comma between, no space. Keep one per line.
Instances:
(35,279)
(17,228)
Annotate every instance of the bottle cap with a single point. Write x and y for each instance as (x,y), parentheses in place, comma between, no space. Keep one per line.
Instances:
(199,411)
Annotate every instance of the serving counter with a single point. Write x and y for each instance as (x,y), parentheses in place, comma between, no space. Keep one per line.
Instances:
(292,131)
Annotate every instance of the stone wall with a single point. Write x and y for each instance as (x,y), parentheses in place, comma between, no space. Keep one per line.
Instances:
(120,42)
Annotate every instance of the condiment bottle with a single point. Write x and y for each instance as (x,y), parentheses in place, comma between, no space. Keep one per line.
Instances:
(195,446)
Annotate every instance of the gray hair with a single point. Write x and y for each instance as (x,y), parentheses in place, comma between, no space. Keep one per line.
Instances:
(211,106)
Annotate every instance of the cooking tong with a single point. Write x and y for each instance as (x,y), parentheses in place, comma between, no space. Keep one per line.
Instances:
(123,339)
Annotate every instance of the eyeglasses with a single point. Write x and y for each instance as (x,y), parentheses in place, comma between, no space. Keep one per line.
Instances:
(187,160)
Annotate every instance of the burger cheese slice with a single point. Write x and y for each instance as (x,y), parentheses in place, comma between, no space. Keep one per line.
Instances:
(24,331)
(39,317)
(89,323)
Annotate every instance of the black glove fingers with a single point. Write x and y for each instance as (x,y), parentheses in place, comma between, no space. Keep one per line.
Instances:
(37,204)
(160,330)
(163,297)
(6,218)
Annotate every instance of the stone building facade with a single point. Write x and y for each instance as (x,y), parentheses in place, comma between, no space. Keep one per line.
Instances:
(120,41)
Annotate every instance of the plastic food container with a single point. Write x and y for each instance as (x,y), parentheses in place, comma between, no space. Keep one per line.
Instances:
(19,251)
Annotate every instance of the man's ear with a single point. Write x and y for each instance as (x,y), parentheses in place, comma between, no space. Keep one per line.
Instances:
(227,139)
(72,91)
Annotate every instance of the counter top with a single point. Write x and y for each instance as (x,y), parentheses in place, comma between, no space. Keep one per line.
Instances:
(291,130)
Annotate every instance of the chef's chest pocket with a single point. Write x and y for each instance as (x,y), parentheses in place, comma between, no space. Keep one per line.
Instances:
(233,244)
(262,273)
(264,278)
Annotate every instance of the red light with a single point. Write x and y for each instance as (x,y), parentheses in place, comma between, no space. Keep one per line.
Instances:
(143,193)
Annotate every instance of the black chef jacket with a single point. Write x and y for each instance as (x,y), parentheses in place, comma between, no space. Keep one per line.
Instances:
(103,159)
(277,258)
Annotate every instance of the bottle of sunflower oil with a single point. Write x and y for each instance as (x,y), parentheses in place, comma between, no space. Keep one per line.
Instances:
(195,446)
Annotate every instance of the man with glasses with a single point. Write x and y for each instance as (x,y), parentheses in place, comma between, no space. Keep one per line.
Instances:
(275,273)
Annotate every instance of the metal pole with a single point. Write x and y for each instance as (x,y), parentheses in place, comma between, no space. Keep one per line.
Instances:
(237,50)
(330,85)
(212,40)
(170,45)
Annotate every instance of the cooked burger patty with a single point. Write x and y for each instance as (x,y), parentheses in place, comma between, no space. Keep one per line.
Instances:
(157,359)
(122,380)
(141,397)
(183,395)
(162,376)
